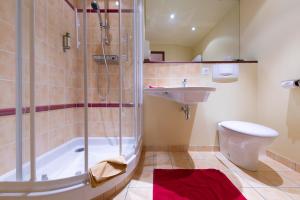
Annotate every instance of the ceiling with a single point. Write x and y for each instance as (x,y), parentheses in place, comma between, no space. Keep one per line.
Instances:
(201,14)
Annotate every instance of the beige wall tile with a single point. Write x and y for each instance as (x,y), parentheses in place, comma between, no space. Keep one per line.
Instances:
(8,155)
(7,130)
(7,11)
(7,37)
(7,66)
(7,100)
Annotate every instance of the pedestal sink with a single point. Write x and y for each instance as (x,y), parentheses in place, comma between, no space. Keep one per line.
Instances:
(183,95)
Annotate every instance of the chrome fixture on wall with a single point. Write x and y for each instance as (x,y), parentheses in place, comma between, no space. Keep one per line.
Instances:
(184,82)
(103,25)
(186,109)
(289,84)
(105,41)
(66,41)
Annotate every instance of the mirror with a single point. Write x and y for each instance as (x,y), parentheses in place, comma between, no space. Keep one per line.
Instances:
(192,30)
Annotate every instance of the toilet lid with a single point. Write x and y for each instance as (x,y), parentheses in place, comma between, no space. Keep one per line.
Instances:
(249,128)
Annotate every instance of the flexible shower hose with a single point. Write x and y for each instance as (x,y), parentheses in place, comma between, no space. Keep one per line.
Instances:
(107,74)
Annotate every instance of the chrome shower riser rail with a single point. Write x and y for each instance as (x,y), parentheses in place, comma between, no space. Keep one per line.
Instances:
(19,91)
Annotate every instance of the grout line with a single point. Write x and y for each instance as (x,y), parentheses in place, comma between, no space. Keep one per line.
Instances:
(258,193)
(126,191)
(8,23)
(9,52)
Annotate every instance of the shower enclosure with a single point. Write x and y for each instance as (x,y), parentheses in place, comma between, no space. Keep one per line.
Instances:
(55,122)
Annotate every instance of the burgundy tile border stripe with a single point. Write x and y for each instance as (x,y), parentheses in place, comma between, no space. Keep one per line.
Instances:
(109,10)
(89,10)
(7,111)
(109,105)
(204,62)
(12,111)
(70,4)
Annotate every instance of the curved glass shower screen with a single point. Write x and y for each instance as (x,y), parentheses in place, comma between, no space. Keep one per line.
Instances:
(129,76)
(103,85)
(15,19)
(66,104)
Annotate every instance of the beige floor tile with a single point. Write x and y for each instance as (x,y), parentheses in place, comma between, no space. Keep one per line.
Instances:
(292,175)
(278,179)
(251,194)
(267,179)
(146,167)
(201,155)
(180,156)
(162,161)
(121,195)
(271,182)
(167,165)
(161,156)
(236,179)
(146,163)
(255,179)
(268,164)
(148,153)
(139,194)
(227,163)
(209,164)
(182,164)
(147,160)
(142,179)
(293,193)
(272,194)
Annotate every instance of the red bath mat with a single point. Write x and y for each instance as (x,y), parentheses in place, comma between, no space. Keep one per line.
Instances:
(193,184)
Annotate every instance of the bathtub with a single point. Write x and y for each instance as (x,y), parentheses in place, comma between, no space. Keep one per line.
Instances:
(60,172)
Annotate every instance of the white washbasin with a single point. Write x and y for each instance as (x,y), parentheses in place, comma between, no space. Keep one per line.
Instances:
(183,95)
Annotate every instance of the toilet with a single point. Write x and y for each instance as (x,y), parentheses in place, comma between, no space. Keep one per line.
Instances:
(241,142)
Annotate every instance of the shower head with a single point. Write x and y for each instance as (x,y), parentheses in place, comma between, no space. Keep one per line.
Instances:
(95,5)
(103,24)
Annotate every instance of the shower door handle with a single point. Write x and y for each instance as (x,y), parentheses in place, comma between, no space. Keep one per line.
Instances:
(77,25)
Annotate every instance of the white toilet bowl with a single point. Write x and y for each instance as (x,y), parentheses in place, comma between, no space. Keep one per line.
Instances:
(241,142)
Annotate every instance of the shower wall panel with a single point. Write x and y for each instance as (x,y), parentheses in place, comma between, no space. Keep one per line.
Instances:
(58,76)
(7,85)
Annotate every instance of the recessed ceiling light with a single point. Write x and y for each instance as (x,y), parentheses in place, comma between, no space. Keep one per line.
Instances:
(117,3)
(193,28)
(172,16)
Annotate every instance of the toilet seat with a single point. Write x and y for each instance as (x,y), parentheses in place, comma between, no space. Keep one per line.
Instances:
(249,128)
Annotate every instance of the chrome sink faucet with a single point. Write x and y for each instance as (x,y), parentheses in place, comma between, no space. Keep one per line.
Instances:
(184,82)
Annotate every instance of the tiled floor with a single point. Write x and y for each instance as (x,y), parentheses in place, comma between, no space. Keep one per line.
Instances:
(271,182)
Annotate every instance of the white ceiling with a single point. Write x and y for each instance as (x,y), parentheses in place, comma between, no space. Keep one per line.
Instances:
(202,14)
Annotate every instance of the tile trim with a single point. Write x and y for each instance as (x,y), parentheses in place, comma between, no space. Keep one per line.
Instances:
(70,4)
(203,62)
(12,111)
(179,148)
(79,10)
(283,160)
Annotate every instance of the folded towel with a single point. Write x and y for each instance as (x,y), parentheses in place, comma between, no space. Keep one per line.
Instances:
(106,169)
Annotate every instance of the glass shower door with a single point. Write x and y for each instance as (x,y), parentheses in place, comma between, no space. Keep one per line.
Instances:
(103,83)
(128,80)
